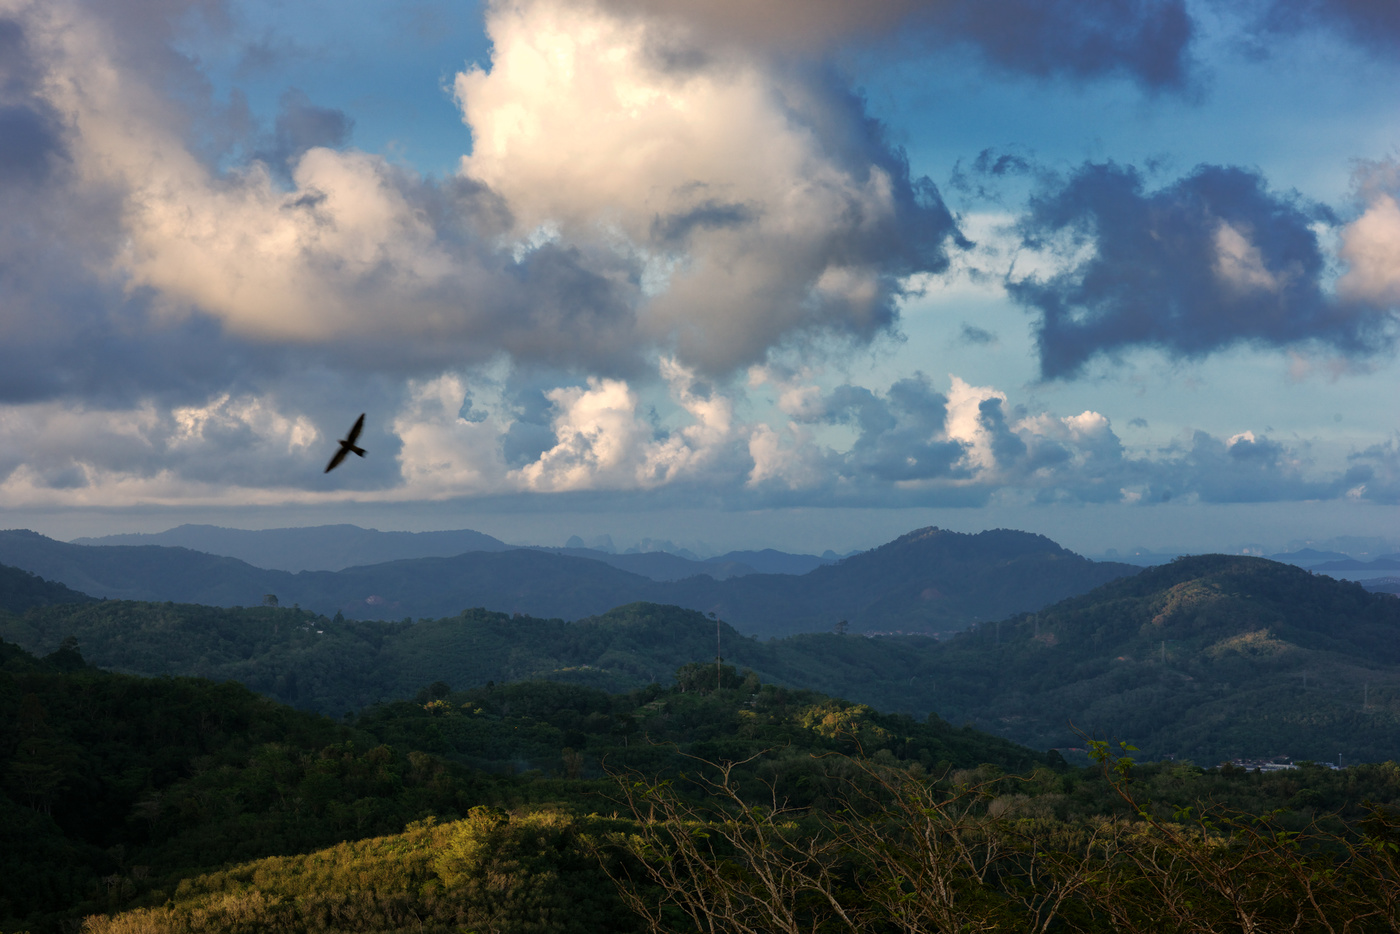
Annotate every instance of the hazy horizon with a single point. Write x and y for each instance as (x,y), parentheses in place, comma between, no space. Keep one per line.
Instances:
(1362,547)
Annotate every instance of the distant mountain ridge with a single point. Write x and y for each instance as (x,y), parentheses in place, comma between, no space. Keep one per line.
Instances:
(313,548)
(1383,563)
(1309,557)
(337,547)
(928,581)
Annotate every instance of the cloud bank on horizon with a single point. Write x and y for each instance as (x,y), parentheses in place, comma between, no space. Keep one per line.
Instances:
(673,229)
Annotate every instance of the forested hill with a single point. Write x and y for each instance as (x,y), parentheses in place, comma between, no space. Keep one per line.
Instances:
(21,591)
(1206,657)
(144,572)
(114,788)
(927,581)
(332,666)
(930,580)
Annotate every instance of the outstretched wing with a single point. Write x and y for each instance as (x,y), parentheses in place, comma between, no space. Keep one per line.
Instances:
(355,430)
(339,456)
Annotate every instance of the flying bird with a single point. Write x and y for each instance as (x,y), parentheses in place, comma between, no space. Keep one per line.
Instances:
(348,445)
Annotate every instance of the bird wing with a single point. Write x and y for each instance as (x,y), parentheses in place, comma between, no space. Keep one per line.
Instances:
(355,429)
(339,456)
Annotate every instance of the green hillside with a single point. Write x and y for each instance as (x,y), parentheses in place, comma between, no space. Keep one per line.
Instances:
(114,789)
(335,665)
(179,805)
(21,591)
(105,775)
(1206,658)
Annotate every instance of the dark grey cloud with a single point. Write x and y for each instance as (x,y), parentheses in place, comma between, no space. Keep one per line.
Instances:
(918,235)
(30,142)
(998,164)
(973,335)
(31,132)
(1374,473)
(1007,447)
(301,125)
(1244,469)
(993,174)
(1212,260)
(675,228)
(898,433)
(1372,23)
(1147,41)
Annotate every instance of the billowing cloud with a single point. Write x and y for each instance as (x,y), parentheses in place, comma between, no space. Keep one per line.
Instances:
(1243,468)
(1210,261)
(759,199)
(1374,474)
(213,452)
(659,195)
(909,445)
(1371,243)
(619,204)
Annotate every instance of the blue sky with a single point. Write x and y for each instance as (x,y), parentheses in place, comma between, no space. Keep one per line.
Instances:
(795,275)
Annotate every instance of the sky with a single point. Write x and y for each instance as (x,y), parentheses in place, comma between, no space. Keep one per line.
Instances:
(801,274)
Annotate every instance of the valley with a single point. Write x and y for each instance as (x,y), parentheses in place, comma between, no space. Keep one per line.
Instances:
(167,761)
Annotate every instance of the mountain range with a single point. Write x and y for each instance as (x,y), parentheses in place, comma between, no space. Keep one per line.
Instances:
(930,580)
(1209,657)
(336,547)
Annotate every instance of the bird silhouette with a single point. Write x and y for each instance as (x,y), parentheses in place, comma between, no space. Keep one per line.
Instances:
(348,444)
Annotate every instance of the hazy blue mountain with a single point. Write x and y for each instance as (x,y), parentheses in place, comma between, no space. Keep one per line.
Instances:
(516,580)
(315,548)
(336,547)
(769,561)
(1138,557)
(141,572)
(1309,557)
(1383,563)
(927,581)
(1389,585)
(669,566)
(659,565)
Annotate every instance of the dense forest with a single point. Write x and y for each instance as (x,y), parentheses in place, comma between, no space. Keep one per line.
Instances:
(1208,658)
(717,803)
(146,779)
(498,772)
